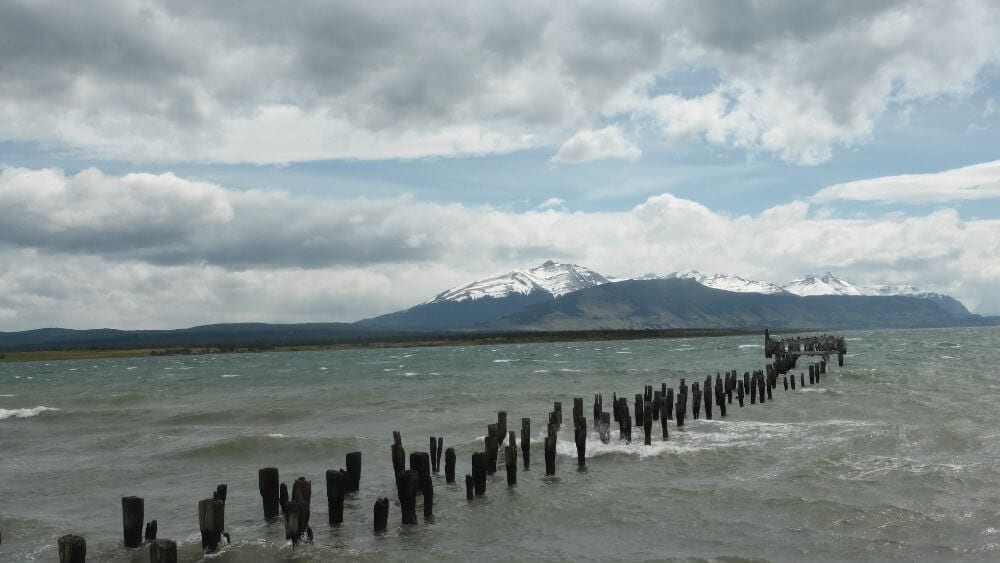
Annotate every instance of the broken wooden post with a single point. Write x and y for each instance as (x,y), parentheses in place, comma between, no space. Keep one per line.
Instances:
(470,487)
(739,392)
(283,498)
(557,408)
(526,442)
(211,522)
(664,418)
(72,549)
(297,520)
(656,404)
(647,422)
(132,521)
(421,463)
(479,472)
(720,396)
(708,397)
(580,433)
(812,376)
(510,457)
(267,482)
(336,487)
(638,409)
(149,534)
(598,406)
(381,514)
(784,381)
(163,551)
(449,465)
(398,458)
(670,403)
(492,443)
(427,489)
(501,427)
(302,490)
(440,450)
(353,464)
(407,485)
(696,400)
(802,380)
(753,389)
(550,455)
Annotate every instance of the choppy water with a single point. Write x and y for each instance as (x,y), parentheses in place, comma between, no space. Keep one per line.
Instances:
(894,456)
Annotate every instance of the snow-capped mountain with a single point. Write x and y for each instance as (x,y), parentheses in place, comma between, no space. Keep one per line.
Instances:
(551,277)
(830,284)
(827,284)
(727,282)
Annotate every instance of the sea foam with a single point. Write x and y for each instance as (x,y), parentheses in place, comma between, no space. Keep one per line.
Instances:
(24,413)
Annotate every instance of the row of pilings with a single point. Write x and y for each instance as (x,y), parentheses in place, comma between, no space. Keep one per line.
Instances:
(415,486)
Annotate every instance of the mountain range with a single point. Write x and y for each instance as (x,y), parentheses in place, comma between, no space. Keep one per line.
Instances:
(569,297)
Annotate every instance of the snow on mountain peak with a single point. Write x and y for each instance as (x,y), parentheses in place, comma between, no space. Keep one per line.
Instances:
(550,277)
(727,282)
(827,284)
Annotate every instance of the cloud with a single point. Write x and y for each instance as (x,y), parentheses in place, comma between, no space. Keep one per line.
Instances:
(144,250)
(588,145)
(979,181)
(260,82)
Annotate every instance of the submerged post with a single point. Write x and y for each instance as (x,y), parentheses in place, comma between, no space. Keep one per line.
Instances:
(212,522)
(162,551)
(336,487)
(132,521)
(381,514)
(267,482)
(72,549)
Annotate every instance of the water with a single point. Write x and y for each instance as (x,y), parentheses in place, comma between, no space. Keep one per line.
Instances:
(894,456)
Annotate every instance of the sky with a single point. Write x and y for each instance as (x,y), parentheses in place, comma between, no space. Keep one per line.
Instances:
(170,164)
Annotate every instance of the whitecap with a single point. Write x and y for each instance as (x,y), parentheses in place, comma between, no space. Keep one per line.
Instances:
(323,368)
(24,413)
(541,371)
(275,435)
(228,375)
(410,373)
(129,368)
(506,360)
(8,395)
(947,357)
(570,370)
(751,346)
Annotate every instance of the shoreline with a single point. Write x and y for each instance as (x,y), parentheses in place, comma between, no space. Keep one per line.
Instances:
(388,341)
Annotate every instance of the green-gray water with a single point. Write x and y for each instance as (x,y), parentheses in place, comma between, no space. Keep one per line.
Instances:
(893,456)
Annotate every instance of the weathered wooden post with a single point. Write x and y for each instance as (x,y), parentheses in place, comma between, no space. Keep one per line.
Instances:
(696,400)
(492,443)
(421,463)
(398,458)
(761,386)
(784,381)
(449,465)
(812,376)
(353,464)
(526,442)
(427,489)
(647,422)
(681,408)
(150,532)
(381,510)
(72,549)
(670,403)
(753,389)
(598,406)
(267,482)
(550,455)
(580,433)
(336,487)
(510,457)
(501,427)
(768,389)
(708,397)
(283,498)
(614,406)
(720,396)
(163,551)
(212,522)
(433,454)
(557,408)
(739,392)
(638,409)
(408,495)
(577,408)
(802,380)
(132,521)
(302,490)
(479,472)
(656,404)
(664,418)
(297,521)
(746,383)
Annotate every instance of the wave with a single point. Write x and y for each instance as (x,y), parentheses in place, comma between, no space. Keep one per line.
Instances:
(227,375)
(506,360)
(8,395)
(24,413)
(751,346)
(272,443)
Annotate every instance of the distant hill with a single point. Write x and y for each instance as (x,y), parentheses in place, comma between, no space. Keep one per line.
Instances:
(680,302)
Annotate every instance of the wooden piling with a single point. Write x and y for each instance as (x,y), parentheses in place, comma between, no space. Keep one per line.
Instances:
(297,520)
(407,486)
(283,498)
(267,482)
(149,534)
(433,454)
(398,458)
(664,419)
(501,427)
(638,409)
(381,510)
(449,465)
(550,455)
(163,551)
(479,472)
(427,490)
(526,442)
(812,376)
(598,406)
(670,403)
(557,408)
(720,396)
(132,521)
(421,463)
(470,487)
(753,389)
(695,400)
(72,549)
(580,433)
(604,427)
(510,457)
(211,522)
(656,404)
(647,422)
(302,490)
(708,397)
(336,488)
(353,464)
